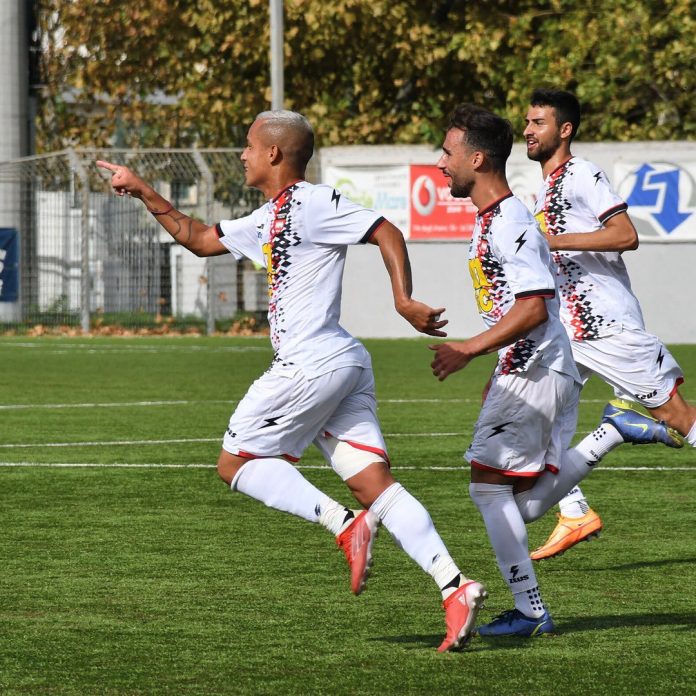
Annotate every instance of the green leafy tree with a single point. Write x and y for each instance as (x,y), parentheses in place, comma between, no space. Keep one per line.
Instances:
(177,72)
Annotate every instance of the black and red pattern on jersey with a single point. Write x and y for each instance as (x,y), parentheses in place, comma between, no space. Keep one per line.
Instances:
(509,261)
(595,292)
(282,238)
(581,318)
(516,356)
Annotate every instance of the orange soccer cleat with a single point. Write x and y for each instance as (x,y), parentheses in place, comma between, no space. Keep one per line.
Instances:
(568,532)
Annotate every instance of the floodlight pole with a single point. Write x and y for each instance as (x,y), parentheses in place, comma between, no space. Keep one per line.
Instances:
(277,84)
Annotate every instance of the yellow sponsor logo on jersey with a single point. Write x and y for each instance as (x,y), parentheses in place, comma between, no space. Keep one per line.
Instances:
(541,221)
(481,283)
(267,255)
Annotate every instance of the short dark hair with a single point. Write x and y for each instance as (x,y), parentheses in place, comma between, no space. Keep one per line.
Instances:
(565,104)
(484,131)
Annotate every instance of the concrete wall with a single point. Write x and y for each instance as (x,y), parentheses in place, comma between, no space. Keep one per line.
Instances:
(663,277)
(663,269)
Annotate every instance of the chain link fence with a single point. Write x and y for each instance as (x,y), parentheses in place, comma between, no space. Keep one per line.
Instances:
(74,254)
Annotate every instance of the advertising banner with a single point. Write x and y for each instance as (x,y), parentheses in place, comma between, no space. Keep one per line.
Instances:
(434,212)
(661,197)
(9,282)
(415,197)
(385,189)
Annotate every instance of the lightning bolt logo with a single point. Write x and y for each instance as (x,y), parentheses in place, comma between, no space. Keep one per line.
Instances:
(660,358)
(597,177)
(270,421)
(514,570)
(521,241)
(497,429)
(335,196)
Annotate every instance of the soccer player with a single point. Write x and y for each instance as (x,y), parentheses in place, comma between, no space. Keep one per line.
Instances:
(519,468)
(587,229)
(319,387)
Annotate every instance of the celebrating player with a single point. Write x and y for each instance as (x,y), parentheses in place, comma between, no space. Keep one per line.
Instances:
(519,468)
(587,228)
(319,387)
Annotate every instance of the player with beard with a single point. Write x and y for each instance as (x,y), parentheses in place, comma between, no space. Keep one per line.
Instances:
(319,387)
(587,228)
(519,467)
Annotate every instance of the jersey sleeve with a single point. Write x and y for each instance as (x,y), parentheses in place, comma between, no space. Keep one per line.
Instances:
(241,236)
(595,193)
(526,259)
(334,219)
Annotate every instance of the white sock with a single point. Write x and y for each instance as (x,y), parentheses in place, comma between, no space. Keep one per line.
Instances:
(279,485)
(691,436)
(574,504)
(576,463)
(447,575)
(335,517)
(413,530)
(508,536)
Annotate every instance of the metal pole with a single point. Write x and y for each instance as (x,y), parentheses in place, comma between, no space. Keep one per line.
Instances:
(85,280)
(208,181)
(277,84)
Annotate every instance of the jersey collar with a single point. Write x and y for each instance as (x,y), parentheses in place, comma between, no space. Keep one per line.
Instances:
(490,207)
(562,164)
(283,190)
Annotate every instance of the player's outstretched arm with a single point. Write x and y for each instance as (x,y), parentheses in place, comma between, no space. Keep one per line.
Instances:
(196,236)
(395,255)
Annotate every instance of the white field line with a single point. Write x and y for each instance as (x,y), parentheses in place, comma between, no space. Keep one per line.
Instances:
(175,441)
(188,402)
(117,465)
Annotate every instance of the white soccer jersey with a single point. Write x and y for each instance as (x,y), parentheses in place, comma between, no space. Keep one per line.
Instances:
(596,296)
(301,237)
(510,260)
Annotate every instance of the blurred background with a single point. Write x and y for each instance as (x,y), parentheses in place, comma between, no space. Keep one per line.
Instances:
(169,87)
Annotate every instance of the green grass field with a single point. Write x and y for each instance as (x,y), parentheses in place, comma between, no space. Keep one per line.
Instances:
(127,567)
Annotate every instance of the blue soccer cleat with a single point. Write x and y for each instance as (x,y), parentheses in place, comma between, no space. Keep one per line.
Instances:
(515,623)
(638,428)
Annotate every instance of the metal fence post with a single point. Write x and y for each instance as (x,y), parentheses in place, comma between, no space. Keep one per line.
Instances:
(208,180)
(82,177)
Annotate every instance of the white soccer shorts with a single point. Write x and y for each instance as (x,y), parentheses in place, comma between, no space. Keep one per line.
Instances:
(635,363)
(280,416)
(519,431)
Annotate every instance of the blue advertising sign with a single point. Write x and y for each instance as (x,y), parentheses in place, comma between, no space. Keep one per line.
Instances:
(9,273)
(661,197)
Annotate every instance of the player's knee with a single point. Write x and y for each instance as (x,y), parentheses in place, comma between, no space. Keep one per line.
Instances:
(370,483)
(228,466)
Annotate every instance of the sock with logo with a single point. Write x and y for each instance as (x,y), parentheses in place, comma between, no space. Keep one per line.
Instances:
(279,485)
(691,436)
(412,528)
(529,602)
(574,504)
(576,463)
(508,536)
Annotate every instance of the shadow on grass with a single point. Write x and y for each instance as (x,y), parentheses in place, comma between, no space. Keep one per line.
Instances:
(675,621)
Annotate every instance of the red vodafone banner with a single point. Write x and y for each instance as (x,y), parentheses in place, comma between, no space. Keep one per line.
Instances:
(434,213)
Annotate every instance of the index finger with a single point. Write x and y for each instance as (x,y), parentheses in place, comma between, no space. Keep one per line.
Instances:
(107,165)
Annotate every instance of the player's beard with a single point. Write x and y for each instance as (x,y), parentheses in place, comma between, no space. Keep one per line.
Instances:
(543,153)
(460,189)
